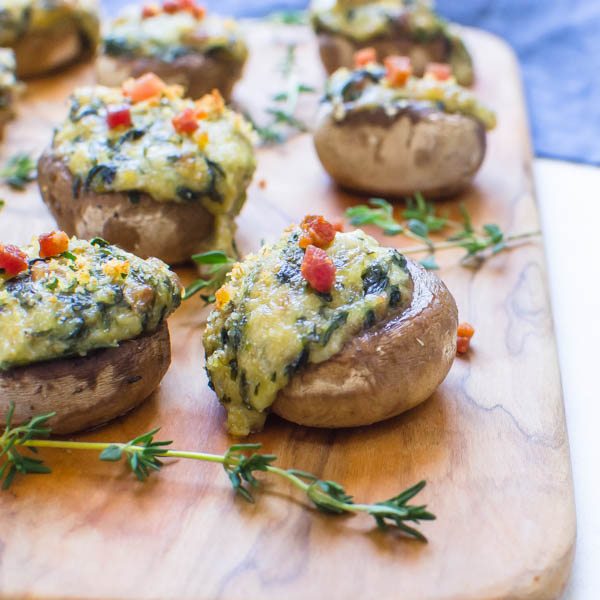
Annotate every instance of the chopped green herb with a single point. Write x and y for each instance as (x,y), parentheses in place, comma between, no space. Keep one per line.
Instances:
(19,170)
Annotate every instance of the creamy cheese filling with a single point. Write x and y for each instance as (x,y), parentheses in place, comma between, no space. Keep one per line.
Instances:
(274,323)
(166,36)
(18,17)
(361,21)
(212,166)
(94,296)
(367,88)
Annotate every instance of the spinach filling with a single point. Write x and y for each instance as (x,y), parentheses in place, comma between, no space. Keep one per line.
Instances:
(274,324)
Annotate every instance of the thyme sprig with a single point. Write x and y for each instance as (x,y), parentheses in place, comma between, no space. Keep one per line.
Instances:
(241,463)
(422,219)
(282,112)
(289,17)
(19,170)
(216,265)
(12,461)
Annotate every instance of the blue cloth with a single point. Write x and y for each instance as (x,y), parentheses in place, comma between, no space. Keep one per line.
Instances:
(558,45)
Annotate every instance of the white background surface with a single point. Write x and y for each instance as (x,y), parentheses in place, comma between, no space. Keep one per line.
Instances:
(569,203)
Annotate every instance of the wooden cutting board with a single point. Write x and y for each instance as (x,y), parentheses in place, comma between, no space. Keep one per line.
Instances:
(491,442)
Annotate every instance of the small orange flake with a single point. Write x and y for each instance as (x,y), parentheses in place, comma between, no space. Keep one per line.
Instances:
(318,230)
(143,88)
(53,243)
(222,296)
(262,183)
(438,71)
(397,70)
(209,105)
(462,345)
(364,57)
(465,330)
(150,10)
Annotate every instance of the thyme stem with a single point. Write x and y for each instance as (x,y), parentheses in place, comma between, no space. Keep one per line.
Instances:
(513,237)
(143,456)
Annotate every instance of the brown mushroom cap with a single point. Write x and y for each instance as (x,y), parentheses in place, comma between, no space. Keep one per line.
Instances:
(338,51)
(197,73)
(427,151)
(385,370)
(87,391)
(46,50)
(171,231)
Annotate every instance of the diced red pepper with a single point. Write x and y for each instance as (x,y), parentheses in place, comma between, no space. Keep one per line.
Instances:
(462,345)
(397,70)
(150,10)
(365,57)
(144,87)
(317,231)
(171,6)
(185,121)
(53,243)
(465,330)
(199,11)
(118,116)
(12,260)
(439,71)
(318,269)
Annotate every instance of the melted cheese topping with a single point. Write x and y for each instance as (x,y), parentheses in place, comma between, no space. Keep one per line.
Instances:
(169,35)
(213,166)
(18,17)
(361,21)
(271,322)
(94,298)
(367,88)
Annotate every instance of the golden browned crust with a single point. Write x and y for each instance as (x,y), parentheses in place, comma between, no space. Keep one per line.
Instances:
(431,152)
(171,231)
(88,391)
(197,73)
(385,370)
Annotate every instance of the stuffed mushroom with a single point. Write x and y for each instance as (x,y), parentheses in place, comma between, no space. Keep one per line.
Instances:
(390,27)
(84,331)
(382,131)
(47,35)
(9,86)
(178,41)
(149,170)
(327,329)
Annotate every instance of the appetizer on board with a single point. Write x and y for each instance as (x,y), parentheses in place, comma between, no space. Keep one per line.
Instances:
(47,35)
(180,42)
(84,330)
(391,27)
(383,131)
(327,329)
(8,86)
(149,170)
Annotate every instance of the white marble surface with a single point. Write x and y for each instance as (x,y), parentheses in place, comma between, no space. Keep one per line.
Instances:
(569,201)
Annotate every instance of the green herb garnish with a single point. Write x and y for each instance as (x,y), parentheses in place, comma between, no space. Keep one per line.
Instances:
(217,265)
(144,455)
(19,170)
(421,219)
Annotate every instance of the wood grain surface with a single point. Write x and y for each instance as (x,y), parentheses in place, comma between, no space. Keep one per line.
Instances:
(491,442)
